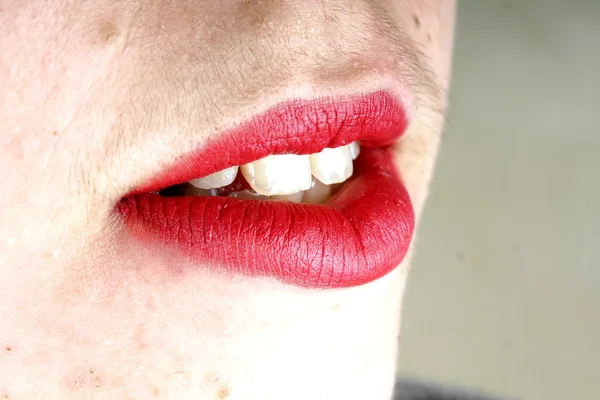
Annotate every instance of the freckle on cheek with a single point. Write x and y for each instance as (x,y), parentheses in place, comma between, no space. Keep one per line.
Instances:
(224,392)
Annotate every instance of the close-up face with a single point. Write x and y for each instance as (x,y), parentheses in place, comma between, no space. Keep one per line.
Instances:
(213,199)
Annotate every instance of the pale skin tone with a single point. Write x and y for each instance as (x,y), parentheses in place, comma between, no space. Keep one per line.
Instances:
(97,97)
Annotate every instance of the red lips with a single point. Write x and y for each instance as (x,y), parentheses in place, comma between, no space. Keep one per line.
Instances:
(360,234)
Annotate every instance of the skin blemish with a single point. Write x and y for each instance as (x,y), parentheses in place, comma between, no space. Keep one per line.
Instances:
(417,21)
(259,20)
(84,380)
(255,14)
(224,392)
(108,33)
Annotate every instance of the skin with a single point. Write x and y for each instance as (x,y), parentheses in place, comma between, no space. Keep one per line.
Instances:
(99,96)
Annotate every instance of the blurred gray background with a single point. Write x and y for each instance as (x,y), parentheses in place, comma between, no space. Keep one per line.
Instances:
(504,293)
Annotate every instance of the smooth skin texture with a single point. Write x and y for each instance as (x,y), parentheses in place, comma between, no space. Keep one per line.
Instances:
(97,97)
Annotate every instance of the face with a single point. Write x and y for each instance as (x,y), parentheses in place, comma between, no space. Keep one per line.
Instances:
(212,199)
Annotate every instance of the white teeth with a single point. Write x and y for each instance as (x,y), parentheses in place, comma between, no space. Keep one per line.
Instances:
(332,165)
(310,178)
(216,180)
(354,150)
(294,198)
(318,194)
(279,174)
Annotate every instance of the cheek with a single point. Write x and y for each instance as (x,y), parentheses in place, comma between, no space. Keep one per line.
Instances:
(56,69)
(430,23)
(56,89)
(55,53)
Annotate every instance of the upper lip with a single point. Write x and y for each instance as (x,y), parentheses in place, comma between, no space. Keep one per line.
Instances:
(293,127)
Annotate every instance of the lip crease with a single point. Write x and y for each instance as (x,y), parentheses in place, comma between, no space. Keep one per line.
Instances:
(362,233)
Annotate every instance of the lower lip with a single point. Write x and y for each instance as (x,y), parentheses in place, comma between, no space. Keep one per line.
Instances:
(361,234)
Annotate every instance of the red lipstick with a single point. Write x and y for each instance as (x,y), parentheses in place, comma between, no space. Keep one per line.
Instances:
(360,234)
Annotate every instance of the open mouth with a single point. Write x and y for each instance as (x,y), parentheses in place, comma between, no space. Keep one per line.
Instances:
(305,178)
(306,192)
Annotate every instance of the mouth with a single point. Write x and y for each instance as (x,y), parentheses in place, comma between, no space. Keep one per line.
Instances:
(306,192)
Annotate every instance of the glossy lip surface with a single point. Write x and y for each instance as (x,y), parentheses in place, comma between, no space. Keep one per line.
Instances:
(360,234)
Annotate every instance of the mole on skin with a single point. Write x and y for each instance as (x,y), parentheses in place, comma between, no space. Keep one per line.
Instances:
(108,33)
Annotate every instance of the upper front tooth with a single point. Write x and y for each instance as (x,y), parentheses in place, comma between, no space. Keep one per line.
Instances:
(354,150)
(332,165)
(279,174)
(216,180)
